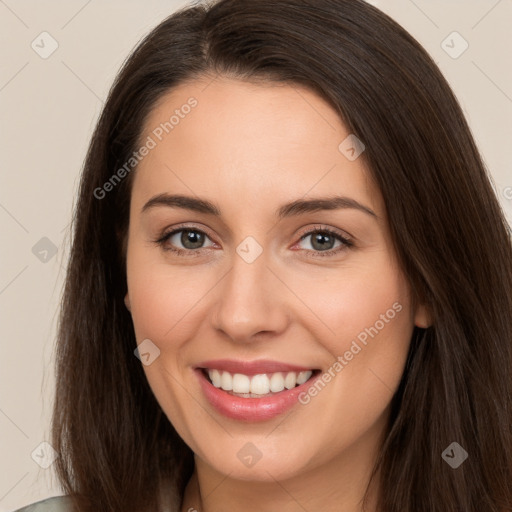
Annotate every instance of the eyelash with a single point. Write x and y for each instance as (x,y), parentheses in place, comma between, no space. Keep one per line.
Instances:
(346,243)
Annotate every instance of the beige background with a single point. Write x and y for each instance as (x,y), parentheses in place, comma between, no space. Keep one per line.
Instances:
(48,108)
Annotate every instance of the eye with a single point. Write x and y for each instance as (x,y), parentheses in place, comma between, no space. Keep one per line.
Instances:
(184,240)
(324,242)
(189,241)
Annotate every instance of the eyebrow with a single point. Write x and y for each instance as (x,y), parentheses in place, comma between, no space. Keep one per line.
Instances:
(298,207)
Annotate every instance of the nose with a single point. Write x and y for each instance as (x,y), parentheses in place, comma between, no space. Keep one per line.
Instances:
(250,302)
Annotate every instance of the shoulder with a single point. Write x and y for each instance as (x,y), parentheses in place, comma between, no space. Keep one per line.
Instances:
(59,504)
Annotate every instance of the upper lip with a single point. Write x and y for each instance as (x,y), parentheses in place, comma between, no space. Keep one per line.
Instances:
(252,367)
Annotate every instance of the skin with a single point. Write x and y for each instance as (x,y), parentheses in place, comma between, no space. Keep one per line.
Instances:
(250,148)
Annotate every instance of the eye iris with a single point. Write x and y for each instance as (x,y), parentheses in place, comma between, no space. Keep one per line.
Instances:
(192,239)
(322,241)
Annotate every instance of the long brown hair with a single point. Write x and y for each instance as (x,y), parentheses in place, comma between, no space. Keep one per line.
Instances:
(117,448)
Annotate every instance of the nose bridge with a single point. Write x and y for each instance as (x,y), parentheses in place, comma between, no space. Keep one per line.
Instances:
(249,301)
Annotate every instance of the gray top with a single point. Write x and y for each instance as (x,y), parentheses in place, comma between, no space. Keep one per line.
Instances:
(59,504)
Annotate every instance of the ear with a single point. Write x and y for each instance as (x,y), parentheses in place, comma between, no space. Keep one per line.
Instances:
(127,302)
(422,317)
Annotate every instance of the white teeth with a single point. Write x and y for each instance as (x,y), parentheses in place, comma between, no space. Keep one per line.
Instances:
(226,382)
(303,377)
(277,383)
(290,380)
(215,378)
(241,383)
(260,384)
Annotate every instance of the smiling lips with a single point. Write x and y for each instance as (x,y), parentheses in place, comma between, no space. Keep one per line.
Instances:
(257,385)
(252,391)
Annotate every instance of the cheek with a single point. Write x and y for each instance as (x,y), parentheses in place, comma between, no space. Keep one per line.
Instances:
(164,301)
(163,298)
(366,324)
(350,301)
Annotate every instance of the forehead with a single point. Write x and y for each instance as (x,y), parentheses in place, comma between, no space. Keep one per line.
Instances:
(223,136)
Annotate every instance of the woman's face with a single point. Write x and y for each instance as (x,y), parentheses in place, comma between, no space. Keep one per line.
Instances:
(264,279)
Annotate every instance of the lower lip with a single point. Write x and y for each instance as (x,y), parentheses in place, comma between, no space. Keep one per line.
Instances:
(251,409)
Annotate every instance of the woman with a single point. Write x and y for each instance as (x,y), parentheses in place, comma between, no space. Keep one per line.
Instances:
(290,285)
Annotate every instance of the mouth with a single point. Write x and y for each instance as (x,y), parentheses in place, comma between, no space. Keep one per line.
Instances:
(253,391)
(256,386)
